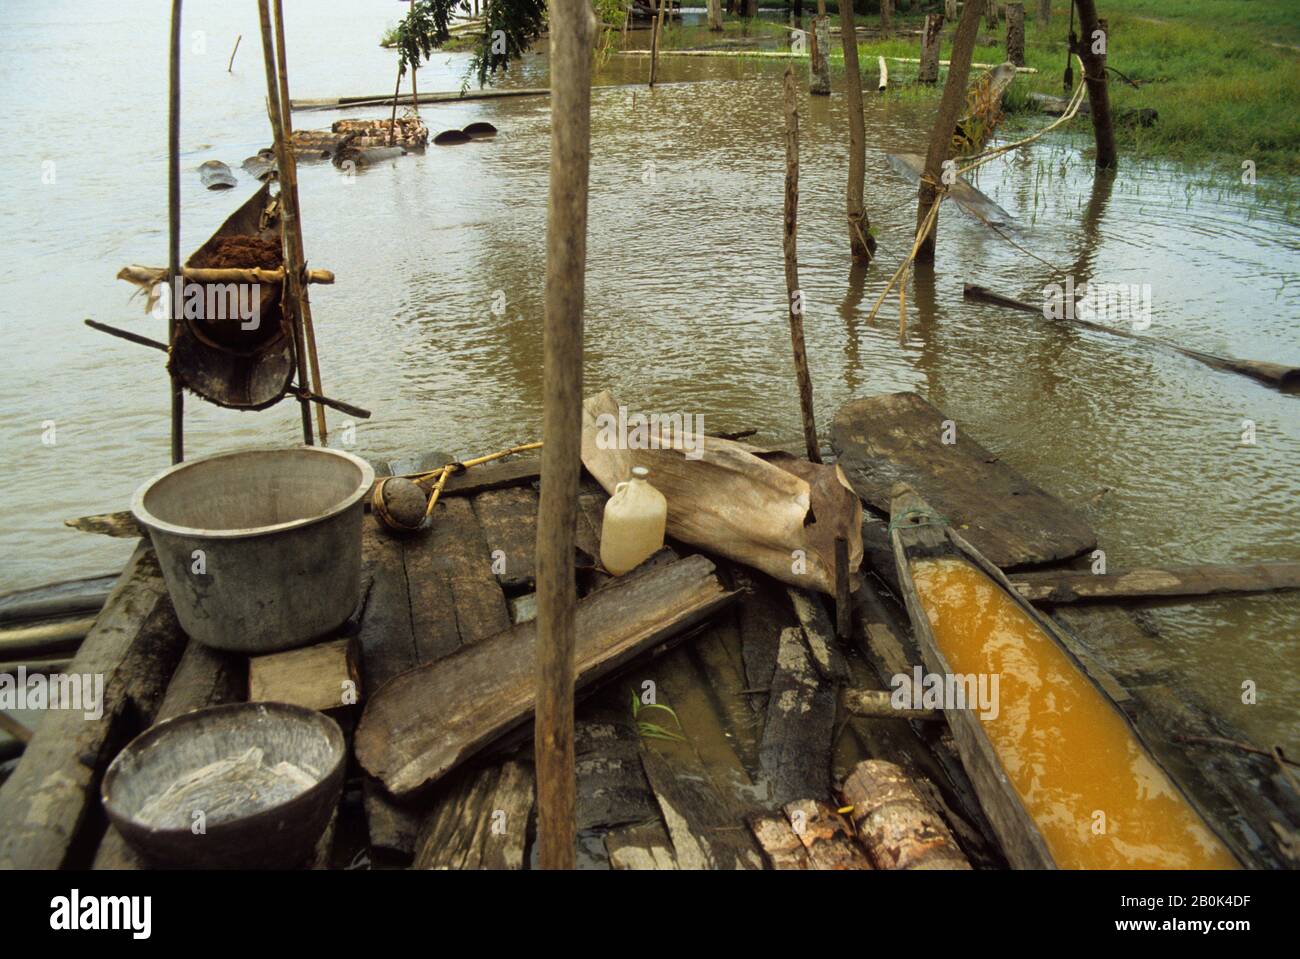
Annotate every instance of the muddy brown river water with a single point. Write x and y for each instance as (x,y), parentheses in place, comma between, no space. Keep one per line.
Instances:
(435,322)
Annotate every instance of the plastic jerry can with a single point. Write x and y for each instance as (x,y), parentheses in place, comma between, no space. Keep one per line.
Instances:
(633,528)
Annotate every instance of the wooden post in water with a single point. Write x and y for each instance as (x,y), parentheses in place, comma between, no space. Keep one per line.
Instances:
(820,60)
(415,93)
(573,30)
(1092,51)
(1044,12)
(930,36)
(174,225)
(793,293)
(715,15)
(288,210)
(656,27)
(954,97)
(1016,33)
(862,245)
(289,182)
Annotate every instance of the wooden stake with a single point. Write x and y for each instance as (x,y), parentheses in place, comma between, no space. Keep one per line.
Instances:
(656,29)
(1044,12)
(573,30)
(231,64)
(954,97)
(1096,33)
(415,93)
(862,245)
(793,293)
(820,59)
(886,17)
(288,217)
(930,36)
(174,225)
(715,16)
(289,181)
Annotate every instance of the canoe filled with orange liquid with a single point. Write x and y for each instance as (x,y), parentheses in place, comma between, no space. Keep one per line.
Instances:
(1098,798)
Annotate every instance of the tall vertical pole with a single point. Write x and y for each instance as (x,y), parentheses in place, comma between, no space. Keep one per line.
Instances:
(1092,51)
(573,31)
(174,225)
(793,293)
(288,210)
(954,97)
(289,181)
(656,28)
(862,245)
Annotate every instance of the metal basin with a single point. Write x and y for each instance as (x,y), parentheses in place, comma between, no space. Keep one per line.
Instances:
(260,549)
(234,834)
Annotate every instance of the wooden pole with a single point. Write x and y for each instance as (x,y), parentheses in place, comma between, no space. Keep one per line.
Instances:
(793,294)
(930,36)
(288,217)
(289,182)
(1044,12)
(231,64)
(862,245)
(820,60)
(655,29)
(1096,33)
(954,97)
(415,93)
(715,15)
(392,120)
(950,10)
(573,30)
(886,16)
(1016,33)
(174,225)
(991,9)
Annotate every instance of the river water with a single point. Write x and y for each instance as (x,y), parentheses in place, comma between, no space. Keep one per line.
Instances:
(685,293)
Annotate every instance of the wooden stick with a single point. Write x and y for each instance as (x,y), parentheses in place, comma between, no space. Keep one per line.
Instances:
(284,157)
(152,275)
(862,246)
(794,295)
(656,28)
(174,225)
(289,179)
(954,97)
(233,52)
(572,33)
(1072,586)
(878,704)
(1094,74)
(843,590)
(415,93)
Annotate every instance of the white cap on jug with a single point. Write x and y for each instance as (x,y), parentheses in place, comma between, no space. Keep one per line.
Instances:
(640,472)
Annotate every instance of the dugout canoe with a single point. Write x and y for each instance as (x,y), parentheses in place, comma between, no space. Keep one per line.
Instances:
(1065,750)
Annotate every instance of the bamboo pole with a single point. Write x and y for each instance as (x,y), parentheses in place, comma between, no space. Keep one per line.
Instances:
(283,159)
(1094,73)
(862,246)
(954,97)
(793,294)
(289,181)
(573,30)
(174,226)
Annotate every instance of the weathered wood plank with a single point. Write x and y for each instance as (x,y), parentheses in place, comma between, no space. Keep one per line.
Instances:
(509,521)
(461,554)
(429,719)
(120,525)
(134,646)
(392,827)
(325,676)
(795,754)
(434,630)
(899,437)
(495,475)
(819,634)
(1073,586)
(762,616)
(387,641)
(641,846)
(482,823)
(612,787)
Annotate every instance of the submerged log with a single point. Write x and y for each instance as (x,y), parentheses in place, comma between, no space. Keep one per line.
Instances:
(1274,374)
(1073,586)
(429,719)
(895,823)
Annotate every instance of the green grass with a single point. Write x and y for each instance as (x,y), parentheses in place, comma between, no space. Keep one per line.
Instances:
(1223,75)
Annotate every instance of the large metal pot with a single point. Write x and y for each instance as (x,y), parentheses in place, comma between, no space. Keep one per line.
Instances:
(260,549)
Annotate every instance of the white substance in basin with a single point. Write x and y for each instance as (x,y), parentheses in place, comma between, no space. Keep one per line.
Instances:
(224,790)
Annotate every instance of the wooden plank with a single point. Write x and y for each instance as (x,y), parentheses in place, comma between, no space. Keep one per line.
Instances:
(120,525)
(612,787)
(1073,586)
(134,646)
(795,754)
(819,634)
(762,616)
(204,677)
(498,474)
(434,629)
(431,718)
(899,437)
(697,817)
(392,827)
(641,846)
(509,521)
(325,676)
(825,835)
(482,823)
(461,554)
(386,637)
